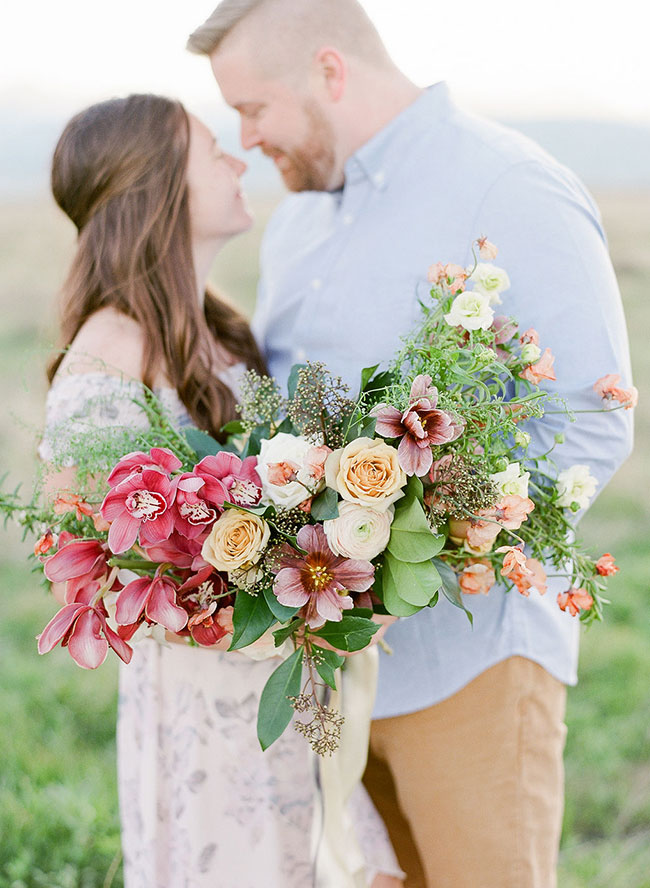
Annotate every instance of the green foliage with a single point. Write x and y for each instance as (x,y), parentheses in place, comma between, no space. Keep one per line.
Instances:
(251,618)
(326,663)
(275,706)
(325,505)
(350,634)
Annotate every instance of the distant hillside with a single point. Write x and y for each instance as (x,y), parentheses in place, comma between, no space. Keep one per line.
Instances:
(604,154)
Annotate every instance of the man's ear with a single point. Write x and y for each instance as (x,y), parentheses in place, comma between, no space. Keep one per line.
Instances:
(331,70)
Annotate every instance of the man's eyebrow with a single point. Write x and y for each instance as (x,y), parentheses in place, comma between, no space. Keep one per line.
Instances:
(243,106)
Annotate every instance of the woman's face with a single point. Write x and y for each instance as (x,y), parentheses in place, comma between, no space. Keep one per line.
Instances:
(217,206)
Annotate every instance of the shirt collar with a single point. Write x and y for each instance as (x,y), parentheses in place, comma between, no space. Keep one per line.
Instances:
(378,157)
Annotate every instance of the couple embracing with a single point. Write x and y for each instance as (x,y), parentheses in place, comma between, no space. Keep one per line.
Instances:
(463,786)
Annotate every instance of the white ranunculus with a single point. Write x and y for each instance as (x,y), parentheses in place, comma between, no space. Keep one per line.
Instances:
(471,310)
(576,485)
(290,449)
(491,280)
(359,531)
(511,482)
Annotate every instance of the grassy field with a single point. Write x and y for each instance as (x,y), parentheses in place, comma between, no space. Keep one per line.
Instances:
(58,805)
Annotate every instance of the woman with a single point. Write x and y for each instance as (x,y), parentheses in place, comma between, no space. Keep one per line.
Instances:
(154,199)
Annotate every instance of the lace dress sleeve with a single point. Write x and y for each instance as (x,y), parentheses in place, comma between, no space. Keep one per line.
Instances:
(79,404)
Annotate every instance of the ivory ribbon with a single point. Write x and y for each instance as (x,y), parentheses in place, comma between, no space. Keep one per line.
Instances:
(339,862)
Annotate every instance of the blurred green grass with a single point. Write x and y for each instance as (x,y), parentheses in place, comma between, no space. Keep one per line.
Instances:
(58,805)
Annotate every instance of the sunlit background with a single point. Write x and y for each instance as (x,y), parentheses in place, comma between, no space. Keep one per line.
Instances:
(573,74)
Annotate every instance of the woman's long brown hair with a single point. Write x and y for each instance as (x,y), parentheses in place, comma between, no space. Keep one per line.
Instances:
(119,173)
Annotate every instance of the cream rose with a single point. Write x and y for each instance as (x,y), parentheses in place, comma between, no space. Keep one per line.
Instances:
(359,531)
(237,538)
(366,471)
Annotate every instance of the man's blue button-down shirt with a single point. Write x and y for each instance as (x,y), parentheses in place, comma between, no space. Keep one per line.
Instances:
(341,276)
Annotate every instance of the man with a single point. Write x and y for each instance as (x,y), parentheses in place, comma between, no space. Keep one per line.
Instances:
(466,758)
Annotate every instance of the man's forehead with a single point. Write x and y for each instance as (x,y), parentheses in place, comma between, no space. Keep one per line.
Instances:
(242,80)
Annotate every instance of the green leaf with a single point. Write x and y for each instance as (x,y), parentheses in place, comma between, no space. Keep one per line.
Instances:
(202,443)
(414,583)
(414,487)
(326,662)
(251,618)
(279,611)
(411,538)
(233,428)
(286,426)
(292,383)
(434,600)
(281,635)
(366,375)
(325,505)
(253,444)
(450,586)
(275,709)
(377,383)
(350,634)
(360,426)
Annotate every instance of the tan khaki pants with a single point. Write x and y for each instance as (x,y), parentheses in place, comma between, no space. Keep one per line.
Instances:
(471,789)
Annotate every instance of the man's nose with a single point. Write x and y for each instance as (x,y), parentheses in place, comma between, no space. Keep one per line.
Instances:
(249,135)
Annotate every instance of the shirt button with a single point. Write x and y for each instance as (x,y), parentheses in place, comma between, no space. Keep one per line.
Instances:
(379,178)
(316,284)
(300,355)
(348,219)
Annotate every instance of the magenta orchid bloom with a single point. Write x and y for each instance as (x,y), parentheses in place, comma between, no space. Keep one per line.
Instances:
(229,478)
(139,505)
(182,552)
(319,579)
(197,595)
(420,426)
(192,515)
(81,564)
(79,627)
(155,598)
(159,458)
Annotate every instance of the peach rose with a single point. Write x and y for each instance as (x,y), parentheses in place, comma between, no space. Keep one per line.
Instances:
(366,471)
(237,538)
(477,577)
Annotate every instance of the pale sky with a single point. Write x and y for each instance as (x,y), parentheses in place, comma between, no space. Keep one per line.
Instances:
(505,58)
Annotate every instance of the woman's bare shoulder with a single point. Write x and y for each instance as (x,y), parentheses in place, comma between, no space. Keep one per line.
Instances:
(108,342)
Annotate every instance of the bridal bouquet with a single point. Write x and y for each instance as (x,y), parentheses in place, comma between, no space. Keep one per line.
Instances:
(323,511)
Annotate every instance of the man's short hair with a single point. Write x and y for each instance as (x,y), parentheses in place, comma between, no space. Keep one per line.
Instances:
(301,24)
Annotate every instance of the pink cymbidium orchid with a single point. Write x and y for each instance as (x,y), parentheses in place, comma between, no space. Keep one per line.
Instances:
(192,514)
(83,629)
(139,506)
(155,598)
(420,426)
(159,458)
(228,478)
(319,579)
(80,564)
(179,550)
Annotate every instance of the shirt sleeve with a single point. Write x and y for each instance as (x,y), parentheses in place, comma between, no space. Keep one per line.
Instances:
(552,245)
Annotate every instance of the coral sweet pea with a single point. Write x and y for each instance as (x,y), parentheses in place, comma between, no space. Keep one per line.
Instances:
(420,426)
(79,627)
(574,600)
(139,505)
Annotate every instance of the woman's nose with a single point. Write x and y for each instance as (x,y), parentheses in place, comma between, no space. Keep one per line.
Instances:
(238,166)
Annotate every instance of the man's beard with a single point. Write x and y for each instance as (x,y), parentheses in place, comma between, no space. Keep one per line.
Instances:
(311,165)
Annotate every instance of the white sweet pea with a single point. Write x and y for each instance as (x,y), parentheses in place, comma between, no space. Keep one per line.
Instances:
(285,448)
(359,531)
(522,439)
(511,482)
(531,353)
(491,280)
(470,310)
(576,485)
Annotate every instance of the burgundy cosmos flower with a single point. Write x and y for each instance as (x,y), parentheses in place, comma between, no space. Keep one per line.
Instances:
(155,598)
(139,505)
(227,477)
(80,627)
(420,426)
(320,579)
(159,458)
